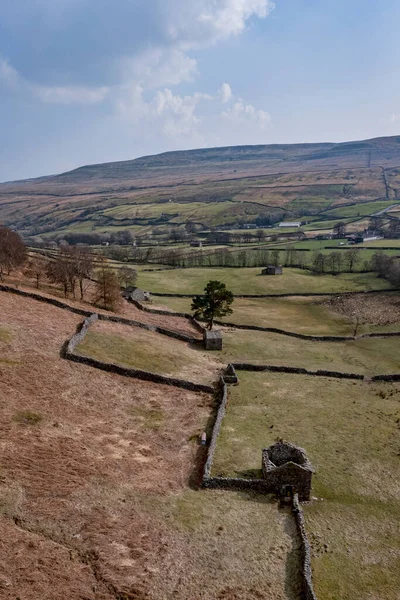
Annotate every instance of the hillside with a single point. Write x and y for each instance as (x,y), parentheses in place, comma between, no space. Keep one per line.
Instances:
(209,187)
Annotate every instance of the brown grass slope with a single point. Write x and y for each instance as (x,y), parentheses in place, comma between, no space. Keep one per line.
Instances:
(94,496)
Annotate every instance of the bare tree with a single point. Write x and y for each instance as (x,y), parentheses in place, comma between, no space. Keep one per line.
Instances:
(36,267)
(260,235)
(127,276)
(318,262)
(339,229)
(82,266)
(58,271)
(12,251)
(275,257)
(352,257)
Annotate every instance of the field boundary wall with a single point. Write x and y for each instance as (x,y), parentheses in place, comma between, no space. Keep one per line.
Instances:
(307,589)
(287,295)
(79,336)
(102,317)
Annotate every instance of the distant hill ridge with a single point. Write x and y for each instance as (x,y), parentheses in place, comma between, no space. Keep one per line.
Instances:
(225,187)
(383,149)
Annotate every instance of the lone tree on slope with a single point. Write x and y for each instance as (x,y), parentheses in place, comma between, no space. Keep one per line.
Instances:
(215,302)
(107,292)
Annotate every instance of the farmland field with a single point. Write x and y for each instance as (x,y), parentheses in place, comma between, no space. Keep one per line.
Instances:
(364,356)
(141,349)
(250,281)
(350,431)
(94,493)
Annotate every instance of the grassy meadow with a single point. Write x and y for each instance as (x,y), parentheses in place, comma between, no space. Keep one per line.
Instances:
(142,349)
(250,281)
(350,431)
(364,356)
(310,316)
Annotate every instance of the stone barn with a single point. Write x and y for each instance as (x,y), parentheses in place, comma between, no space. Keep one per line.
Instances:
(135,293)
(212,340)
(272,270)
(284,464)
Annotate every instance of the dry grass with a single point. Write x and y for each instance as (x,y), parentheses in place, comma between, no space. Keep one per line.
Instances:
(350,431)
(105,474)
(141,349)
(303,315)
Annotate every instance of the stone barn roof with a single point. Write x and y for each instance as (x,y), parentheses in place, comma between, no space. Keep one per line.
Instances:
(281,453)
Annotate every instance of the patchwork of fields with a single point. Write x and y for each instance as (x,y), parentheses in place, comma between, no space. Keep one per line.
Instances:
(101,471)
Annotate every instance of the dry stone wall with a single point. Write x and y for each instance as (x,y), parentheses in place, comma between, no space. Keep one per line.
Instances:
(78,338)
(287,295)
(296,370)
(307,590)
(304,336)
(166,313)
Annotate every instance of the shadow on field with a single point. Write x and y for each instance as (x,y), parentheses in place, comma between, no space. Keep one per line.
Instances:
(201,452)
(293,559)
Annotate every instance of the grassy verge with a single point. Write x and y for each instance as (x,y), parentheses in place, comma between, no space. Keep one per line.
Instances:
(350,431)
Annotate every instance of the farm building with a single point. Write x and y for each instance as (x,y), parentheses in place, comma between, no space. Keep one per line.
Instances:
(272,270)
(135,293)
(284,464)
(290,224)
(212,340)
(196,244)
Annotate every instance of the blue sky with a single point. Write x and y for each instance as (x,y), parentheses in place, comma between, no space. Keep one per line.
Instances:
(87,81)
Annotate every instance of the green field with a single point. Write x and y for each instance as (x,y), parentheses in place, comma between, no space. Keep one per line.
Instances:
(250,281)
(365,356)
(350,431)
(359,210)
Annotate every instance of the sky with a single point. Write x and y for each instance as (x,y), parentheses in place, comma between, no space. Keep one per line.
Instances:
(91,81)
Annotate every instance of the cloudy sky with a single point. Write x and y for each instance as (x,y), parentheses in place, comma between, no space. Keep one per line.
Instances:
(87,81)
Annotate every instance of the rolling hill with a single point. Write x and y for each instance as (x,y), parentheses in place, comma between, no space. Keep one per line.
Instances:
(210,187)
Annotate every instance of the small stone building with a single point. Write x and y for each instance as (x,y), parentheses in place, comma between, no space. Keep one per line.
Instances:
(196,244)
(272,270)
(230,375)
(284,464)
(135,293)
(212,340)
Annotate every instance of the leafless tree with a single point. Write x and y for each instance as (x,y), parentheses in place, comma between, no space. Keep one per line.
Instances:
(12,251)
(352,257)
(127,276)
(82,266)
(36,268)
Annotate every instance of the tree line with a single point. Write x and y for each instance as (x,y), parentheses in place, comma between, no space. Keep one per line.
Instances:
(74,268)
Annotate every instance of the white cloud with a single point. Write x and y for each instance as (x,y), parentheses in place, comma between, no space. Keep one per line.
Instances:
(395,118)
(203,22)
(194,119)
(225,93)
(242,113)
(158,67)
(229,17)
